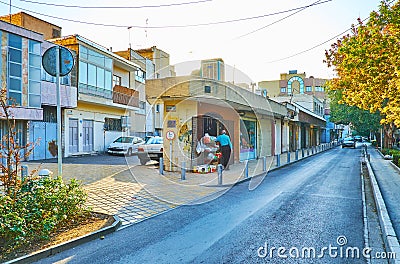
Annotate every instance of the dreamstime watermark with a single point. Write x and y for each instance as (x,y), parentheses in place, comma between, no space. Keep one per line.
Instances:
(338,250)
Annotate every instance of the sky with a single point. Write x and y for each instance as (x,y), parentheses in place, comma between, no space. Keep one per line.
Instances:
(257,39)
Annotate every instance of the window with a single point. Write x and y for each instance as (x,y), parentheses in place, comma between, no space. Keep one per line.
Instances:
(15,69)
(289,88)
(112,124)
(117,80)
(34,74)
(283,89)
(207,89)
(319,89)
(308,89)
(140,75)
(95,73)
(157,108)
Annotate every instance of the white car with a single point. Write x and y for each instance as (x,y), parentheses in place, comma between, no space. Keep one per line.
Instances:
(151,150)
(125,145)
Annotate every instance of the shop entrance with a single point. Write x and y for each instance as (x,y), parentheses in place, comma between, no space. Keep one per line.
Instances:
(210,124)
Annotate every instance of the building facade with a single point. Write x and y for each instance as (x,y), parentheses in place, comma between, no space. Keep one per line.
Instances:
(106,95)
(307,92)
(195,108)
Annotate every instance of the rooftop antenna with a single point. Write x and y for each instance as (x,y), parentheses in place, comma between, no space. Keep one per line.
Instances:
(10,12)
(129,36)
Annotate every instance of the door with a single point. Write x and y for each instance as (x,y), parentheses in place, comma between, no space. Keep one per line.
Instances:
(73,136)
(87,135)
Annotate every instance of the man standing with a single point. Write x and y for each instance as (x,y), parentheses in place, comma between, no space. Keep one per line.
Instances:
(226,148)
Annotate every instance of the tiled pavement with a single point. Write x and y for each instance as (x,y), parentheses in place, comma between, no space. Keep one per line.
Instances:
(134,192)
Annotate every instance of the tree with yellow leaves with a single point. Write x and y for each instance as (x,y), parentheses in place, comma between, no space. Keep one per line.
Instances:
(367,63)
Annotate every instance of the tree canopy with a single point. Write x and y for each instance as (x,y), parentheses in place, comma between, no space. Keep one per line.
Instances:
(367,63)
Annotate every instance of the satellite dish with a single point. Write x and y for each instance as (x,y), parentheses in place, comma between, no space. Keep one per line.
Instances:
(66,61)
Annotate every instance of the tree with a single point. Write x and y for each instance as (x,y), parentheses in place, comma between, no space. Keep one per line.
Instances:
(362,121)
(367,63)
(12,152)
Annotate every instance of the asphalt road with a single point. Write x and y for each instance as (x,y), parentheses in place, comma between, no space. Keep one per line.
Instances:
(314,204)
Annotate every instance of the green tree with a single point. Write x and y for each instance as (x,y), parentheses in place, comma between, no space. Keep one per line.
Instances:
(363,121)
(367,63)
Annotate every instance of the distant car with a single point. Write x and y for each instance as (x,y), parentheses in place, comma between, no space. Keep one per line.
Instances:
(349,142)
(151,150)
(125,145)
(358,138)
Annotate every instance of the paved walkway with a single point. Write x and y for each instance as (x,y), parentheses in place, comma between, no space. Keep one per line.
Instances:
(388,177)
(136,192)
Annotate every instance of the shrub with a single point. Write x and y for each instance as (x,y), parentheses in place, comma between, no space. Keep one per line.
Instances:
(396,159)
(40,206)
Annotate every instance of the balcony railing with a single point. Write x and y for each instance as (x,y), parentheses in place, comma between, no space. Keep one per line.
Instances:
(125,96)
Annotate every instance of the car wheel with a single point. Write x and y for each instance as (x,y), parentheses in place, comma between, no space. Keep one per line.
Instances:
(129,153)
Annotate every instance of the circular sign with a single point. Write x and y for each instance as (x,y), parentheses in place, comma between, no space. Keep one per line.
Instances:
(170,135)
(66,60)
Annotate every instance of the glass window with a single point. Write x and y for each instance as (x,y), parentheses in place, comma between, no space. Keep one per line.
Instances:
(34,100)
(35,60)
(108,80)
(34,47)
(34,73)
(15,70)
(34,87)
(108,63)
(15,41)
(283,89)
(117,80)
(15,55)
(100,78)
(308,89)
(15,98)
(34,93)
(15,84)
(92,75)
(83,52)
(83,72)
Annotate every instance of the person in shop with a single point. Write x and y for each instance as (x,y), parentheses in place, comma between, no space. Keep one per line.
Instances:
(225,145)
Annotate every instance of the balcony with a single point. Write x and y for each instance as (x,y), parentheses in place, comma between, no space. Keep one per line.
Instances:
(125,96)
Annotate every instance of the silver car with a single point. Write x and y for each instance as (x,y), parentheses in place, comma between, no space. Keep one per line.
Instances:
(125,145)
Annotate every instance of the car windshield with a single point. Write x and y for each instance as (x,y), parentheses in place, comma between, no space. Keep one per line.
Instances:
(348,139)
(154,140)
(124,140)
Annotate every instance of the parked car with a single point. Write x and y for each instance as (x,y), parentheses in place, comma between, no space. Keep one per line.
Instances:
(151,150)
(125,145)
(349,142)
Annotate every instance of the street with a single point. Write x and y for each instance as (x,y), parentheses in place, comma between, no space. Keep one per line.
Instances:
(314,204)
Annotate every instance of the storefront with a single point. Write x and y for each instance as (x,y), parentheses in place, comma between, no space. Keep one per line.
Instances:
(248,139)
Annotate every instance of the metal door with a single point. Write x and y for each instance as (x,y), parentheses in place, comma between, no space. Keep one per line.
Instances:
(87,135)
(73,136)
(43,135)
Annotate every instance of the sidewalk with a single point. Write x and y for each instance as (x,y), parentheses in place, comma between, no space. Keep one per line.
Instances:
(388,178)
(135,192)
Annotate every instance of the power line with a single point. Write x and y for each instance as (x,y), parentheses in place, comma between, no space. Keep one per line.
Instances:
(117,7)
(167,26)
(279,20)
(316,46)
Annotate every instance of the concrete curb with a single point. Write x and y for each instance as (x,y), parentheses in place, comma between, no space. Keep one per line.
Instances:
(365,217)
(389,236)
(282,166)
(68,244)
